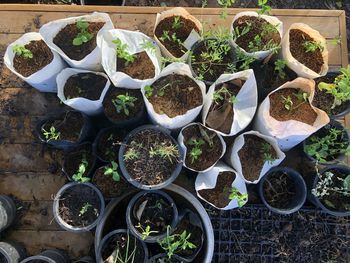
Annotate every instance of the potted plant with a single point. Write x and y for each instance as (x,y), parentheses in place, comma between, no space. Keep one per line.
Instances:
(79,163)
(82,90)
(129,58)
(123,106)
(78,207)
(163,258)
(332,93)
(288,115)
(329,189)
(253,154)
(11,252)
(49,256)
(305,51)
(86,259)
(150,158)
(282,190)
(222,187)
(201,146)
(175,32)
(7,212)
(108,179)
(149,214)
(64,131)
(174,98)
(32,60)
(120,246)
(328,145)
(230,103)
(75,39)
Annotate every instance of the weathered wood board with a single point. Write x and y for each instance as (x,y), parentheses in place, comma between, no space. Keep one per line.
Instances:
(30,172)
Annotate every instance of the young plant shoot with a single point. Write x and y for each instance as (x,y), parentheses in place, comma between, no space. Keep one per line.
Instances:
(20,50)
(112,171)
(145,232)
(84,35)
(235,194)
(79,176)
(265,151)
(123,103)
(122,51)
(51,134)
(196,151)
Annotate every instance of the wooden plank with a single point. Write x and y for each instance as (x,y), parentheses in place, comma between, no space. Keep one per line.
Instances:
(342,29)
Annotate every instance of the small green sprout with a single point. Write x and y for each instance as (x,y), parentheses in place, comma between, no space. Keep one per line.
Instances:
(265,9)
(235,194)
(79,176)
(301,96)
(145,232)
(22,51)
(121,51)
(113,171)
(84,209)
(52,134)
(131,154)
(219,95)
(312,46)
(148,91)
(280,65)
(122,103)
(287,102)
(177,23)
(165,151)
(265,151)
(196,151)
(84,35)
(149,45)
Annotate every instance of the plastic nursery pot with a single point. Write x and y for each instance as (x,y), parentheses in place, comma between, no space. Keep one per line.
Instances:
(7,212)
(312,180)
(112,220)
(111,236)
(89,188)
(176,171)
(49,256)
(300,187)
(11,252)
(199,44)
(163,258)
(137,202)
(84,133)
(85,260)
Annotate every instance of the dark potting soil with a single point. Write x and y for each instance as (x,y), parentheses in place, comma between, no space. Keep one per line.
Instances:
(109,187)
(147,168)
(257,26)
(73,159)
(42,56)
(219,196)
(182,33)
(213,69)
(74,200)
(279,190)
(211,148)
(175,94)
(142,67)
(252,158)
(64,40)
(152,210)
(301,110)
(125,244)
(272,80)
(339,201)
(312,60)
(324,100)
(109,143)
(86,85)
(110,109)
(220,115)
(69,125)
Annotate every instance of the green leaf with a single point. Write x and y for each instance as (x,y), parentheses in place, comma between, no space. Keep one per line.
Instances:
(347,183)
(77,41)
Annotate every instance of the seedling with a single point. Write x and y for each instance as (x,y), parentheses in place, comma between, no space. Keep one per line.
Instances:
(131,154)
(22,51)
(288,103)
(121,51)
(208,138)
(145,232)
(79,176)
(257,45)
(222,94)
(122,103)
(241,198)
(301,96)
(167,37)
(84,209)
(113,171)
(280,65)
(129,257)
(236,34)
(170,152)
(196,151)
(265,151)
(177,23)
(336,41)
(176,242)
(225,4)
(268,29)
(84,35)
(149,45)
(312,46)
(265,9)
(51,134)
(148,91)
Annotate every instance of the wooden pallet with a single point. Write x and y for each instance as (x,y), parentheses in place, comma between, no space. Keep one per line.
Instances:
(24,164)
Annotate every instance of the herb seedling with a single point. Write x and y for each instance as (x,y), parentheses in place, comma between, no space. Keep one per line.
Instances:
(280,65)
(225,4)
(235,194)
(265,151)
(129,257)
(265,9)
(112,171)
(84,35)
(22,51)
(84,209)
(312,46)
(177,23)
(121,51)
(51,134)
(148,91)
(221,94)
(122,103)
(196,151)
(131,154)
(165,151)
(145,232)
(237,34)
(79,176)
(287,102)
(149,45)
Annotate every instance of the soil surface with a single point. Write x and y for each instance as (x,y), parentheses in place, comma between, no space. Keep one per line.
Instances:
(220,115)
(312,60)
(72,203)
(73,159)
(300,111)
(211,147)
(252,158)
(165,259)
(42,56)
(147,168)
(182,32)
(175,94)
(69,125)
(108,144)
(219,196)
(257,26)
(111,111)
(85,85)
(64,40)
(142,67)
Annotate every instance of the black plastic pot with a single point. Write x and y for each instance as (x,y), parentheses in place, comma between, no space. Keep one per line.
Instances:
(131,213)
(300,187)
(12,252)
(112,220)
(50,256)
(7,211)
(174,259)
(111,234)
(126,174)
(311,182)
(85,260)
(67,226)
(199,43)
(320,132)
(85,132)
